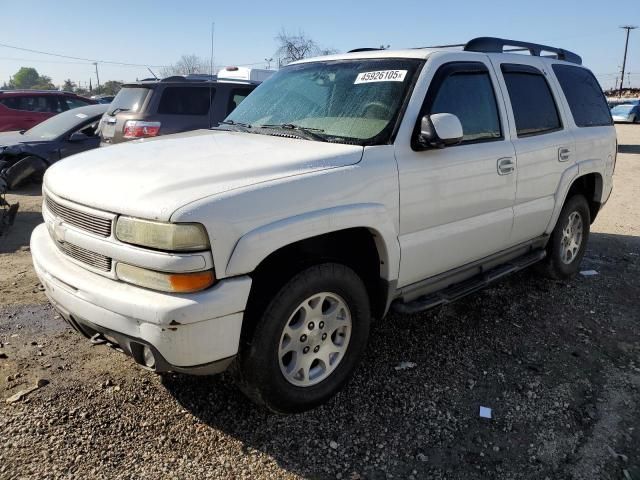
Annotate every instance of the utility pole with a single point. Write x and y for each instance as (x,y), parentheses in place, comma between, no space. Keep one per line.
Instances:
(97,76)
(628,28)
(268,60)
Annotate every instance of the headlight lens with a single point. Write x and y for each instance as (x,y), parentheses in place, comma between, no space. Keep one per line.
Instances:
(165,282)
(174,237)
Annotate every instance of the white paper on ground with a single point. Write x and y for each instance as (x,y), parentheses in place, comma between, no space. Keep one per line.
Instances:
(588,273)
(485,412)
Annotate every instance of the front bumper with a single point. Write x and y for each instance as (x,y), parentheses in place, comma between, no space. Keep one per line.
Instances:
(195,333)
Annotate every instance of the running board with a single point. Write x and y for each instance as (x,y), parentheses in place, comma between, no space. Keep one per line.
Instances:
(471,285)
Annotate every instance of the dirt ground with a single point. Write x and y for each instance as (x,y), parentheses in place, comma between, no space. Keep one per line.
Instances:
(558,363)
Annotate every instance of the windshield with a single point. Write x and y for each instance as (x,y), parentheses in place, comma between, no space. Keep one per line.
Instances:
(129,99)
(622,109)
(58,125)
(350,101)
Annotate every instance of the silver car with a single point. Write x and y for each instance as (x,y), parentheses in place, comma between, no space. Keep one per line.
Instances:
(626,113)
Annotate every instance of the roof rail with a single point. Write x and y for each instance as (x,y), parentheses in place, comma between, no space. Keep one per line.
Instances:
(496,45)
(364,49)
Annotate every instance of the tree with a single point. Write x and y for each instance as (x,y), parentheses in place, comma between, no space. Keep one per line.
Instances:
(187,64)
(296,47)
(28,78)
(68,85)
(111,87)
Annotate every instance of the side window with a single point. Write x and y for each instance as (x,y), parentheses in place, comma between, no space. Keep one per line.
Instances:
(185,101)
(534,108)
(72,102)
(584,95)
(55,104)
(27,103)
(467,93)
(236,96)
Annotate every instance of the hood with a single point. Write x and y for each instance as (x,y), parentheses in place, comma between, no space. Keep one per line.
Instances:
(152,179)
(11,138)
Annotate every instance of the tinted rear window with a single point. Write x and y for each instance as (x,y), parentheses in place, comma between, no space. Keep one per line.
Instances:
(584,95)
(186,100)
(129,99)
(533,105)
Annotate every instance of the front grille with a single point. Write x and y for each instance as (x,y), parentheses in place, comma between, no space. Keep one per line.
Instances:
(95,260)
(85,221)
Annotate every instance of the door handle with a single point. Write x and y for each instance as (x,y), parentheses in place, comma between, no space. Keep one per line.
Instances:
(563,154)
(506,166)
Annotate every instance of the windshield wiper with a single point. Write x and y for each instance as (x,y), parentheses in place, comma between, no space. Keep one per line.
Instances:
(118,110)
(309,131)
(235,124)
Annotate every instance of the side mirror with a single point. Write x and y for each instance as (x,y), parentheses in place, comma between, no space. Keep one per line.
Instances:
(78,137)
(439,130)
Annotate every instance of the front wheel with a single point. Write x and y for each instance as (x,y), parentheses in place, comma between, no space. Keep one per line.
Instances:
(568,240)
(308,341)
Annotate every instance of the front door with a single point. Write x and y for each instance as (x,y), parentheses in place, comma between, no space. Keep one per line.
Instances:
(456,203)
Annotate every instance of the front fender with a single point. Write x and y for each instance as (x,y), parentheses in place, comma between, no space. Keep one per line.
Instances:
(253,247)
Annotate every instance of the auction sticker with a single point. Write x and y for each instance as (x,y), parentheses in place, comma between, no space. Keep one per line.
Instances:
(381,76)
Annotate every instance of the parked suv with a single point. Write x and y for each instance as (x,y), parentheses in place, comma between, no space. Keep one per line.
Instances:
(23,109)
(343,187)
(175,104)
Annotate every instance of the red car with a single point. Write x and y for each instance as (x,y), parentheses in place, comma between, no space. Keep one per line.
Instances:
(22,109)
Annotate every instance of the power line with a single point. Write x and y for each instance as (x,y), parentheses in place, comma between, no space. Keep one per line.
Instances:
(90,60)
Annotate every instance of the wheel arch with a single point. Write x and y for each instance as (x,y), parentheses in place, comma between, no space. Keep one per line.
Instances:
(578,179)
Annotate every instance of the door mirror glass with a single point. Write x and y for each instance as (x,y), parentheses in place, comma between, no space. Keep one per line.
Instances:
(440,130)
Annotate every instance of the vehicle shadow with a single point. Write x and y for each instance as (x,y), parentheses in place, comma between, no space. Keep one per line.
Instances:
(17,236)
(485,349)
(629,149)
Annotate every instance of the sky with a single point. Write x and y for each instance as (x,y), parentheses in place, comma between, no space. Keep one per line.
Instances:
(158,32)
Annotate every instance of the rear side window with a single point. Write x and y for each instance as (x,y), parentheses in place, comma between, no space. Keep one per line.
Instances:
(533,105)
(74,102)
(185,101)
(236,96)
(584,95)
(469,95)
(31,103)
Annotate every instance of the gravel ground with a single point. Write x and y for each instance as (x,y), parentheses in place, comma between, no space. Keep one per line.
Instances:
(558,364)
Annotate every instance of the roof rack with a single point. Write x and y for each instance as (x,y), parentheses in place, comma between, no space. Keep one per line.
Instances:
(496,45)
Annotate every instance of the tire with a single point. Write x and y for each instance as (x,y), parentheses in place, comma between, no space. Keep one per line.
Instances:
(292,323)
(564,250)
(22,170)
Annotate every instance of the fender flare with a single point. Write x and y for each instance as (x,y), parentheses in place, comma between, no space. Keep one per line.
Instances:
(256,245)
(567,179)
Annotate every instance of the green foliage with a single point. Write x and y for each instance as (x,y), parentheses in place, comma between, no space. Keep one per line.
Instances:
(28,78)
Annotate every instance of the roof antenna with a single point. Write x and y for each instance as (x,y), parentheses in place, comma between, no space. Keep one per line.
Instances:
(155,76)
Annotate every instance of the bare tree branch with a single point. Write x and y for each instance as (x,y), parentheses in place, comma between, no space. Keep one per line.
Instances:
(296,47)
(188,64)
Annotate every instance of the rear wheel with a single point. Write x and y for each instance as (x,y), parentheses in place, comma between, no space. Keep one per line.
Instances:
(568,240)
(308,341)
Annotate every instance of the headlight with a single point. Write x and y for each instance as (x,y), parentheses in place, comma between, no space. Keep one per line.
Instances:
(165,282)
(173,237)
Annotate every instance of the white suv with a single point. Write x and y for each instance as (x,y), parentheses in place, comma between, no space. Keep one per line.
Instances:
(342,187)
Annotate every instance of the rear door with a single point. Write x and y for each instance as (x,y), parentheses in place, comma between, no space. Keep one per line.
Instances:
(544,146)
